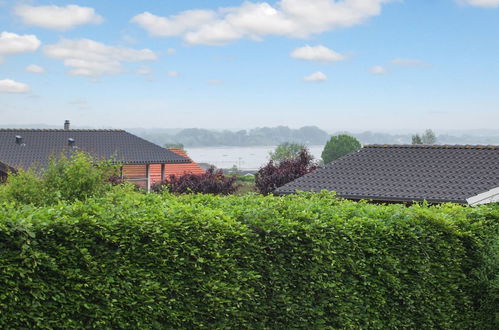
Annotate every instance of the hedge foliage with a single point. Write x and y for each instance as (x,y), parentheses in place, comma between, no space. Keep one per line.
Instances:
(158,261)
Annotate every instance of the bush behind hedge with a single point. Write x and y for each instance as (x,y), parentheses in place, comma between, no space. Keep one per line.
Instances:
(72,177)
(129,260)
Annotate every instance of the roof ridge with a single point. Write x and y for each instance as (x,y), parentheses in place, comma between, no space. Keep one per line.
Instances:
(58,130)
(433,146)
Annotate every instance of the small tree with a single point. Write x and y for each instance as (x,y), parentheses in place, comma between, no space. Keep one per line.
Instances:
(274,175)
(286,151)
(338,146)
(174,146)
(429,137)
(211,182)
(416,139)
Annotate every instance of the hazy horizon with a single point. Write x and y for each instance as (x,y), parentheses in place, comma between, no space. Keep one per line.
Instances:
(486,131)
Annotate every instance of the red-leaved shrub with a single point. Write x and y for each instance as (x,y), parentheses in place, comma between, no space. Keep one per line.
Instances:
(274,175)
(211,182)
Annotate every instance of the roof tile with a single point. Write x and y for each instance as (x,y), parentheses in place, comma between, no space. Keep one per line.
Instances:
(118,145)
(407,173)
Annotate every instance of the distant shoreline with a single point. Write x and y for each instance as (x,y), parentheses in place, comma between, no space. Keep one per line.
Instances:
(246,158)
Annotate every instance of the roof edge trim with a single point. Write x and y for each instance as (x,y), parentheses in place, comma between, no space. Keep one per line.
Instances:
(491,195)
(58,130)
(433,146)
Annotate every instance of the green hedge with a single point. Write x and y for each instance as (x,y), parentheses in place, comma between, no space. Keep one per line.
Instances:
(129,260)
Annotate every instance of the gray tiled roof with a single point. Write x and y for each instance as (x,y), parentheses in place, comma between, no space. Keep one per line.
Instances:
(118,145)
(436,173)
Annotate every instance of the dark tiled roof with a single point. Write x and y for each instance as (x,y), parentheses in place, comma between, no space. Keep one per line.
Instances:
(118,145)
(436,173)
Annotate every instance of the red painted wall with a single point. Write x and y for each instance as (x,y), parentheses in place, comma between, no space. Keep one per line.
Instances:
(139,171)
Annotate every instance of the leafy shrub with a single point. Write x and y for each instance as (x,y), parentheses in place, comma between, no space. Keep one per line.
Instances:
(25,187)
(246,178)
(274,175)
(75,178)
(339,146)
(286,151)
(211,182)
(143,261)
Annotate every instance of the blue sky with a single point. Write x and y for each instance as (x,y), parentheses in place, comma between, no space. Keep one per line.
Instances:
(344,65)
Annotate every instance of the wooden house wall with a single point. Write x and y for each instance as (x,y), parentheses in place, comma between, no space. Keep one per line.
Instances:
(174,169)
(137,174)
(155,172)
(134,173)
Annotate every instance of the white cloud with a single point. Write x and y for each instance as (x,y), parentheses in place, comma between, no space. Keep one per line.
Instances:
(173,74)
(316,53)
(33,68)
(11,86)
(481,3)
(144,70)
(174,25)
(316,76)
(90,58)
(291,18)
(377,70)
(55,17)
(11,43)
(171,51)
(216,34)
(408,62)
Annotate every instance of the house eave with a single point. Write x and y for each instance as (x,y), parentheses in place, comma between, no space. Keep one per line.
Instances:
(152,162)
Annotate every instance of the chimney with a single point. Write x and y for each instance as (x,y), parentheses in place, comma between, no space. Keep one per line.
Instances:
(71,142)
(19,140)
(66,125)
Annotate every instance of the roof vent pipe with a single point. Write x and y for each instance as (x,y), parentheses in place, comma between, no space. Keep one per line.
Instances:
(66,125)
(19,140)
(71,142)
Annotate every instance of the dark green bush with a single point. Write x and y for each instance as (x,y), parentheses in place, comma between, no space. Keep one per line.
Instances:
(137,261)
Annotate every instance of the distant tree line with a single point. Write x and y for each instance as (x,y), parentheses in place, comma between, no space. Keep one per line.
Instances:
(308,135)
(198,137)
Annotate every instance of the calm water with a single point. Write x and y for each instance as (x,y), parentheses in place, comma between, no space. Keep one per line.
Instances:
(245,158)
